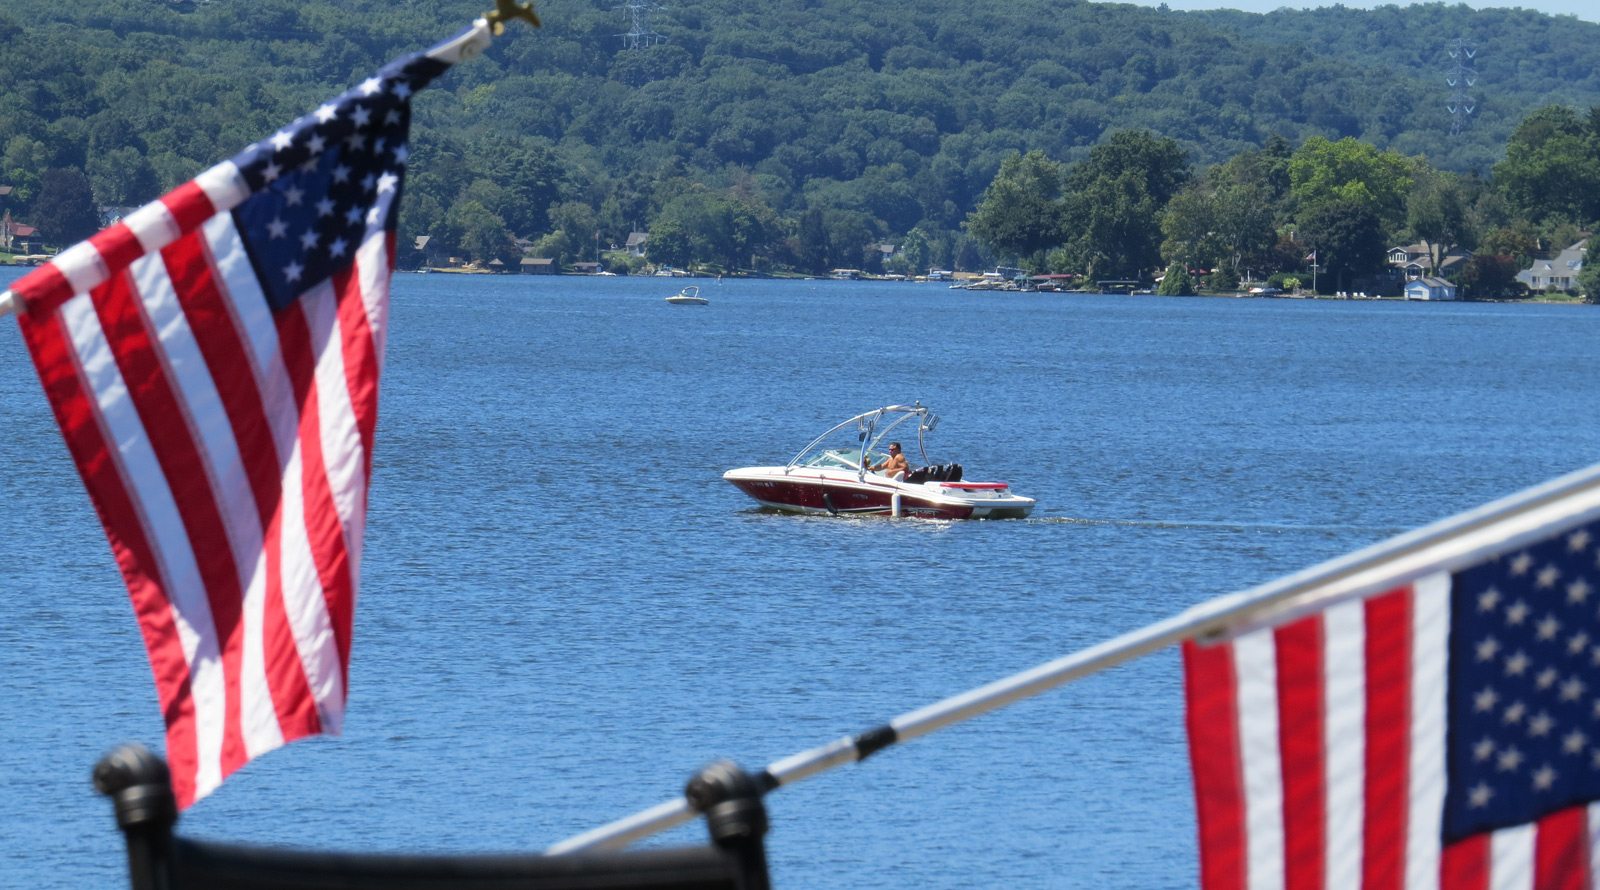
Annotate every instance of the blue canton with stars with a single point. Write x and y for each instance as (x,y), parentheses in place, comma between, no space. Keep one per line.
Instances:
(318,184)
(1524,701)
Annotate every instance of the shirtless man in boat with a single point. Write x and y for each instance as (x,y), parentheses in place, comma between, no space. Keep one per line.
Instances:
(895,467)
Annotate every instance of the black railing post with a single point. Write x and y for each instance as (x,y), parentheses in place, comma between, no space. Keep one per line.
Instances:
(140,787)
(731,800)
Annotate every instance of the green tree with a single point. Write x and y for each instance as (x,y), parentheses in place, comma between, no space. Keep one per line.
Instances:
(1436,213)
(1176,283)
(1589,281)
(1021,211)
(1347,236)
(480,234)
(1491,277)
(1352,172)
(64,209)
(1114,201)
(1552,167)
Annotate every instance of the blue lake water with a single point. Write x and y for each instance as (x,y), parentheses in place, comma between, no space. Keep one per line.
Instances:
(566,611)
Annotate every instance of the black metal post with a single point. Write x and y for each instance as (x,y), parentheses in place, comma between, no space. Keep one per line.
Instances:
(731,800)
(140,786)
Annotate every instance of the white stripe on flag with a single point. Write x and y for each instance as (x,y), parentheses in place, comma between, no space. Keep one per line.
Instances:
(223,466)
(1511,858)
(306,607)
(257,329)
(342,454)
(1593,813)
(147,488)
(304,604)
(1344,675)
(1430,647)
(374,274)
(1255,664)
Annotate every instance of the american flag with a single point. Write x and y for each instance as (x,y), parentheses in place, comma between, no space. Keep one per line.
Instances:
(213,362)
(1444,735)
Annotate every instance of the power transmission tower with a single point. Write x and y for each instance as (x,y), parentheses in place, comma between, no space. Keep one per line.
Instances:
(640,34)
(1461,76)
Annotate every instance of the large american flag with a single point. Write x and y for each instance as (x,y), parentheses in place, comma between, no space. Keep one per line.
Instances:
(213,362)
(1445,734)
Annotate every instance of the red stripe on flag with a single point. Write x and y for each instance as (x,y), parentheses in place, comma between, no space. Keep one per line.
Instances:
(1561,851)
(189,206)
(188,477)
(360,360)
(1388,792)
(1300,743)
(43,290)
(215,327)
(117,246)
(76,413)
(323,528)
(1211,696)
(1464,865)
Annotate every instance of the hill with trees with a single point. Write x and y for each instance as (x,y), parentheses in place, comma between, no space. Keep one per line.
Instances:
(793,134)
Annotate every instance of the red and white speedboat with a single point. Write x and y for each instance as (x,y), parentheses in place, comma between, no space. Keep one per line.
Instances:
(829,476)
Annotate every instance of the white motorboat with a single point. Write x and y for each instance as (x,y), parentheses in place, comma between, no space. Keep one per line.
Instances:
(689,296)
(827,478)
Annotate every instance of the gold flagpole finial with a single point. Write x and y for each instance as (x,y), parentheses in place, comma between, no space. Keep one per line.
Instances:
(506,10)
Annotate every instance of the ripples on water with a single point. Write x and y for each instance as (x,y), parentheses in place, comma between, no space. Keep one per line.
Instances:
(566,611)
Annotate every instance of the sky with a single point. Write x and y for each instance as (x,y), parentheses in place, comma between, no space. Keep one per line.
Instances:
(1588,10)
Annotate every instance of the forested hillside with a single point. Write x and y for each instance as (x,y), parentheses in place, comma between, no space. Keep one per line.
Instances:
(813,127)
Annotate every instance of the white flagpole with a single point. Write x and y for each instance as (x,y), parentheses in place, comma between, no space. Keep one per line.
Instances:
(1450,544)
(7,303)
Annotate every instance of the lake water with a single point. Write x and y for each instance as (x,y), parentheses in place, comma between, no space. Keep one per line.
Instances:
(566,611)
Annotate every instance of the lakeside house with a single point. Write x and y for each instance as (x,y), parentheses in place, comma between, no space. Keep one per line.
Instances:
(1414,261)
(538,265)
(1429,288)
(635,245)
(1559,272)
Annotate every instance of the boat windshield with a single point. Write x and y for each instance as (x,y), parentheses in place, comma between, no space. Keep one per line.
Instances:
(873,430)
(840,459)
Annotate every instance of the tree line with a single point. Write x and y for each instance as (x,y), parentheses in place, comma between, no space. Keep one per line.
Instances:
(1135,207)
(790,135)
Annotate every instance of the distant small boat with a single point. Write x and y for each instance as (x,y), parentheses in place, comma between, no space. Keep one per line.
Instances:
(689,296)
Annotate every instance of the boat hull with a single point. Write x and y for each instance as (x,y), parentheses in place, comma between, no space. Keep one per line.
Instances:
(803,491)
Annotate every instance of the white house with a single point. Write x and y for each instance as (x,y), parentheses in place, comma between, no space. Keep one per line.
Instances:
(1430,289)
(1559,272)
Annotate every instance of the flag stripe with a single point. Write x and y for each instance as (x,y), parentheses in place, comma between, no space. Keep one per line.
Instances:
(1430,647)
(361,366)
(342,446)
(1255,663)
(1561,851)
(1388,657)
(295,609)
(216,338)
(1300,738)
(1212,717)
(171,559)
(104,475)
(168,426)
(1465,864)
(1344,671)
(317,511)
(1511,858)
(239,446)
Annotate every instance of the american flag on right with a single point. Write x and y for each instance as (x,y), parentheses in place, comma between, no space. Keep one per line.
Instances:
(1441,735)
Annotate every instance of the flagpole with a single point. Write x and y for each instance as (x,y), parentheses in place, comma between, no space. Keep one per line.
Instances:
(1461,540)
(7,303)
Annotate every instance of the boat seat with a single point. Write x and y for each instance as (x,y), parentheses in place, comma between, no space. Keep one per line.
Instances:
(936,473)
(140,786)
